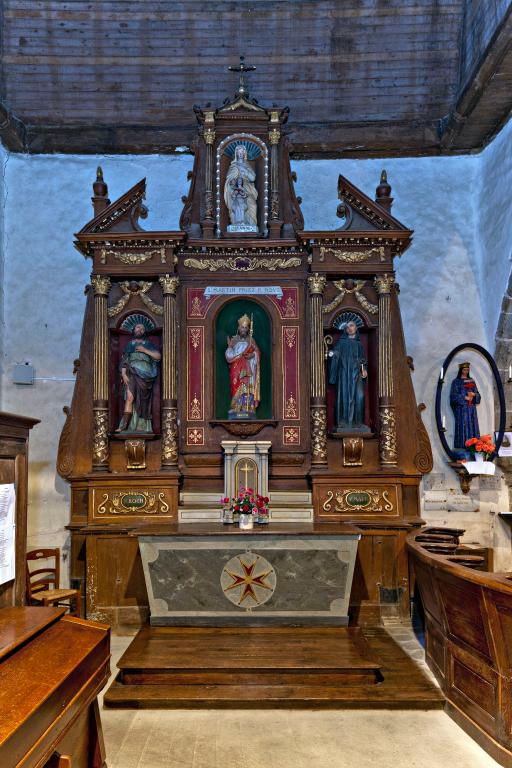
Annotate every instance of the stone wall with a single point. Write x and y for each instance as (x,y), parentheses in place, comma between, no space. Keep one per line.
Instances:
(445,295)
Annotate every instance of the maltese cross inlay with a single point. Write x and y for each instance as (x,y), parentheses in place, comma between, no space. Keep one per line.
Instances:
(248,580)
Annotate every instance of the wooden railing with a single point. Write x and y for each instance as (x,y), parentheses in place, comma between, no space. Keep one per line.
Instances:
(468,631)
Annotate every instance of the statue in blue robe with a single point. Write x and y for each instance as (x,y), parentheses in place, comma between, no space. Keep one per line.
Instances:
(348,373)
(464,397)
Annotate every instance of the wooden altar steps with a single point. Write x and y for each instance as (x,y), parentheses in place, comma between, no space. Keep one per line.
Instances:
(171,667)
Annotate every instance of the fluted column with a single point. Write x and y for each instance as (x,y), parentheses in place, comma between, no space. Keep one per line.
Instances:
(274,136)
(387,419)
(209,138)
(316,284)
(100,451)
(169,380)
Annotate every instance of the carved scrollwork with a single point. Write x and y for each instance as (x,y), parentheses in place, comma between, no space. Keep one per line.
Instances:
(423,460)
(350,500)
(243,264)
(65,462)
(132,502)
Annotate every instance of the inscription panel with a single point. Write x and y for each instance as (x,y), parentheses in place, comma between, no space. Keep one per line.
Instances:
(107,504)
(336,502)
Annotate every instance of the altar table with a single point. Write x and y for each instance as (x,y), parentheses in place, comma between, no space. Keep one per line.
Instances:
(277,574)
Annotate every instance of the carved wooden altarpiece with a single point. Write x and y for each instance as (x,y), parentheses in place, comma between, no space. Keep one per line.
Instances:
(190,288)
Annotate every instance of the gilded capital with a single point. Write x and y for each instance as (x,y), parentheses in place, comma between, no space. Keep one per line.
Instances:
(169,284)
(100,284)
(383,283)
(316,284)
(274,135)
(209,135)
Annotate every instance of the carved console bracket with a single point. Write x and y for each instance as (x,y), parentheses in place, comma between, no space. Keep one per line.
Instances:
(353,451)
(244,429)
(135,454)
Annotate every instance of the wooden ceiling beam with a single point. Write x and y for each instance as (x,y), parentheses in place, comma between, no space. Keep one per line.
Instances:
(492,60)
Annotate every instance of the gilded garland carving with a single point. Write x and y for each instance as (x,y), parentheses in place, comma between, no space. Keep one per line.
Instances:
(132,257)
(128,293)
(170,436)
(243,264)
(351,257)
(388,443)
(100,436)
(319,434)
(343,289)
(374,500)
(130,502)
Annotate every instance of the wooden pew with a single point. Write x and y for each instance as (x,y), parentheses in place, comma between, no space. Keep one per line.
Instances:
(468,631)
(52,668)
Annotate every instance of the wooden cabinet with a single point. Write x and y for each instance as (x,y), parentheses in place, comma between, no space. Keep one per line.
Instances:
(14,432)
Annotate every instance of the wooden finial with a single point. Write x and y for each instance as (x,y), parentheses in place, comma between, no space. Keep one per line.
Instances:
(100,200)
(383,192)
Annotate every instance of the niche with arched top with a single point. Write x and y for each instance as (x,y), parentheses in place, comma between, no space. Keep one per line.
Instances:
(367,337)
(226,325)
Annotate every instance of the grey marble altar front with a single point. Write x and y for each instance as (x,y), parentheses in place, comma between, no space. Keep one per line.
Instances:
(281,575)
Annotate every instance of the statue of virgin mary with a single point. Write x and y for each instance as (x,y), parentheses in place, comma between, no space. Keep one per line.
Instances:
(240,193)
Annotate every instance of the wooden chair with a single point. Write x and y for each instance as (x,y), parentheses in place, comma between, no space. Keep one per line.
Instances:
(43,583)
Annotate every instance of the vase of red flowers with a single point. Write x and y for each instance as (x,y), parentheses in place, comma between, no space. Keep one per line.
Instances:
(247,508)
(480,448)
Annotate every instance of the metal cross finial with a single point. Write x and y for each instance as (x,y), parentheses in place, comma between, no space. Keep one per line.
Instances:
(242,68)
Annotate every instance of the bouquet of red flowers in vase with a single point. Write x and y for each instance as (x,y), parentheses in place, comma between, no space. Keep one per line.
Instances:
(481,448)
(248,503)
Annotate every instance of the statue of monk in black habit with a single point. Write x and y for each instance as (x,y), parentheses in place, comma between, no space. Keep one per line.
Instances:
(348,372)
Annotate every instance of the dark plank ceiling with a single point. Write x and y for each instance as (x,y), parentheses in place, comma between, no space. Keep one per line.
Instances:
(361,77)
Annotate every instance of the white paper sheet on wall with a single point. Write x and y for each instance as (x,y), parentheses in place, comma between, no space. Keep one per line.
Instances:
(7,531)
(506,446)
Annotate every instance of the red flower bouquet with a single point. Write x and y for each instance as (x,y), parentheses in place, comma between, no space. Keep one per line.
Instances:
(248,503)
(482,445)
